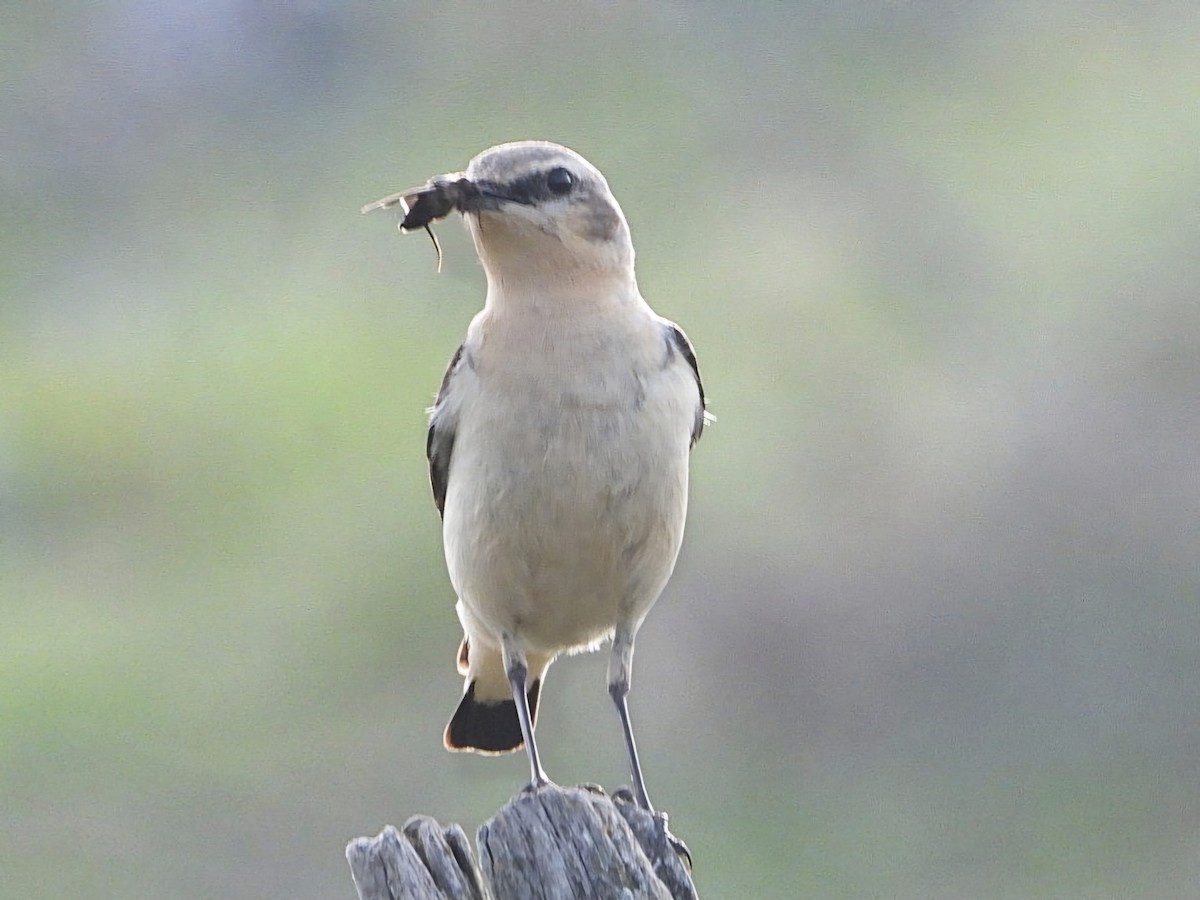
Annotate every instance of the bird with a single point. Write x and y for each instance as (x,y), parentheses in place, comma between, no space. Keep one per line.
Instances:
(559,442)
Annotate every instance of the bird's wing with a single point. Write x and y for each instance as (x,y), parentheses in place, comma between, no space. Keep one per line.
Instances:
(440,442)
(678,341)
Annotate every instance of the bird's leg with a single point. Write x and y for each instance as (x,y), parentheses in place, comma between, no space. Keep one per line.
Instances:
(620,666)
(518,673)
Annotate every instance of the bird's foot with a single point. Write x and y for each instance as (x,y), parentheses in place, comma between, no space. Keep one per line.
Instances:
(626,795)
(680,848)
(539,782)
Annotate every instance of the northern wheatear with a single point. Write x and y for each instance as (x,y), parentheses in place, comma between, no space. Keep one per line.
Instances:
(558,446)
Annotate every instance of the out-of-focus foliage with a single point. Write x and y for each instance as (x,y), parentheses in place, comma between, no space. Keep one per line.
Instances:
(935,632)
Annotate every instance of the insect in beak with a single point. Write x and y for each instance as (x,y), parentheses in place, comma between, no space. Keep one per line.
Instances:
(424,205)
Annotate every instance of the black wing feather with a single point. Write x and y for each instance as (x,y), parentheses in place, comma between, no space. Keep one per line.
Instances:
(677,340)
(439,444)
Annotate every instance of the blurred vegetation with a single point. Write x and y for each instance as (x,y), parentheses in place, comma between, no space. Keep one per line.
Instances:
(934,633)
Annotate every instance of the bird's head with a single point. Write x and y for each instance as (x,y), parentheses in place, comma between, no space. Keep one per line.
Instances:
(538,204)
(534,209)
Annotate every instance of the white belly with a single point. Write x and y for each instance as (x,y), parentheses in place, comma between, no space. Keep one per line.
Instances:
(564,514)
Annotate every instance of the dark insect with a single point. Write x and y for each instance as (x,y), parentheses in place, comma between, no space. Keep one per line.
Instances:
(427,204)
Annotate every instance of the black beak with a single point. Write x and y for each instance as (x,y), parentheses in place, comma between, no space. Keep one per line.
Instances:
(488,195)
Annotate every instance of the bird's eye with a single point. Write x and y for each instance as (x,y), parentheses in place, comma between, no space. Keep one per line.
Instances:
(560,181)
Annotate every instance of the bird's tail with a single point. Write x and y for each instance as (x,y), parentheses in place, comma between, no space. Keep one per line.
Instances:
(486,719)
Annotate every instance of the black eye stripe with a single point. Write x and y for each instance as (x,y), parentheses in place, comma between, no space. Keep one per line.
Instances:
(537,186)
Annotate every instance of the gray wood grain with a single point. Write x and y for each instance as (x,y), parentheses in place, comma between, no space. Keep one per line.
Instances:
(551,844)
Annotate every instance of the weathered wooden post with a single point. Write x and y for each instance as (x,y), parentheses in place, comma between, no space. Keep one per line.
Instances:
(551,844)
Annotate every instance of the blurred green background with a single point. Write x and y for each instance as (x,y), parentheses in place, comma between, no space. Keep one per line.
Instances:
(935,632)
